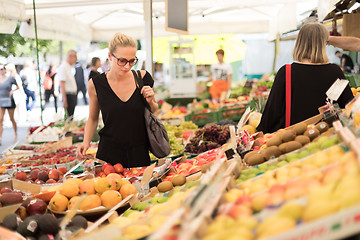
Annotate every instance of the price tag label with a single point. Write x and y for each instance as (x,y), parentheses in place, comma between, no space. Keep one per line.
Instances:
(356,106)
(336,89)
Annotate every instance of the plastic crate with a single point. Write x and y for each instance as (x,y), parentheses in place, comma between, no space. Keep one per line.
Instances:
(232,113)
(201,119)
(354,80)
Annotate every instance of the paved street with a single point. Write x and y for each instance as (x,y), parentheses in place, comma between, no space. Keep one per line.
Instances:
(26,120)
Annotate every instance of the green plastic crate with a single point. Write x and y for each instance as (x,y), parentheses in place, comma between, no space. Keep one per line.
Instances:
(234,113)
(354,80)
(201,119)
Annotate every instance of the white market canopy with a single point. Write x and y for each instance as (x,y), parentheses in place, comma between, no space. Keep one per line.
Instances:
(98,20)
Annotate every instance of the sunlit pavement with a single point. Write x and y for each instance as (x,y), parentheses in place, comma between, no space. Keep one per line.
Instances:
(29,119)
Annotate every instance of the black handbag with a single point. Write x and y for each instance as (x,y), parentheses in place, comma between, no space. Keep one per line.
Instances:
(5,102)
(157,134)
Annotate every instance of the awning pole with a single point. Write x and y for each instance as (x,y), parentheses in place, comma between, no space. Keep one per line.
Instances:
(38,64)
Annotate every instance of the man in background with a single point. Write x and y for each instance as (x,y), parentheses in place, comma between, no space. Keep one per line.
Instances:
(67,80)
(346,63)
(80,81)
(220,76)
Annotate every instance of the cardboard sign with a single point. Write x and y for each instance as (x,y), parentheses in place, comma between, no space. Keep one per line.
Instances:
(336,89)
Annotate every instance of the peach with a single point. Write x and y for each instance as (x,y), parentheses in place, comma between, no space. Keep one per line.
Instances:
(237,211)
(49,181)
(43,175)
(54,174)
(62,170)
(34,174)
(20,176)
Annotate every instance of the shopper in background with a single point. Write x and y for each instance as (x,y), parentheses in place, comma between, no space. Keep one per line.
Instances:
(124,138)
(221,76)
(67,80)
(80,81)
(105,67)
(6,97)
(28,77)
(95,64)
(49,86)
(346,63)
(346,43)
(311,76)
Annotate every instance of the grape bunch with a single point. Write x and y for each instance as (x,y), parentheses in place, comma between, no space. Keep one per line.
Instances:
(209,137)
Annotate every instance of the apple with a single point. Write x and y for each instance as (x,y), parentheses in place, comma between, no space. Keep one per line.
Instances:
(104,166)
(21,212)
(36,206)
(118,168)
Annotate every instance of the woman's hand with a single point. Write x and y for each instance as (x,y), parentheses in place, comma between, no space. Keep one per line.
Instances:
(81,150)
(11,93)
(148,94)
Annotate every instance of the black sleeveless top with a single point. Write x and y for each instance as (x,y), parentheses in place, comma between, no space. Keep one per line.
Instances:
(124,138)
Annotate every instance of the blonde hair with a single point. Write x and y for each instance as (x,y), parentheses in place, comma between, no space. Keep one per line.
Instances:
(121,40)
(310,43)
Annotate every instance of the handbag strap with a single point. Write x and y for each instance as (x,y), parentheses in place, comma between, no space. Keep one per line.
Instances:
(139,83)
(288,95)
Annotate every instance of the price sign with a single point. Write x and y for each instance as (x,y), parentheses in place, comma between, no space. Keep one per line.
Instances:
(336,89)
(356,106)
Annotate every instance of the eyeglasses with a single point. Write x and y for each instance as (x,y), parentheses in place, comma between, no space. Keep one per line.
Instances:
(124,61)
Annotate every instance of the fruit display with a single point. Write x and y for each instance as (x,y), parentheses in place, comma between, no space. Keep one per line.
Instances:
(328,179)
(208,137)
(101,192)
(285,141)
(174,112)
(42,176)
(41,226)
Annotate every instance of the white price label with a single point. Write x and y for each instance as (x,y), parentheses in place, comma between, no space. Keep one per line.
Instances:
(356,107)
(336,89)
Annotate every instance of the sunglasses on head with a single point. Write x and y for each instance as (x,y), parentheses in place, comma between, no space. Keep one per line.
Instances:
(124,61)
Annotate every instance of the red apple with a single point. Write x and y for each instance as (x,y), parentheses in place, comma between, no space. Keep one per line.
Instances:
(109,169)
(237,211)
(20,176)
(21,212)
(118,168)
(38,181)
(105,165)
(36,206)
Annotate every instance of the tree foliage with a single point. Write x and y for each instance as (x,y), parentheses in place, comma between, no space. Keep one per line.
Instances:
(18,46)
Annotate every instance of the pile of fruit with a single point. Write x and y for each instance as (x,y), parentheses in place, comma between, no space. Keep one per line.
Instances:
(207,138)
(101,191)
(328,179)
(42,176)
(175,111)
(285,141)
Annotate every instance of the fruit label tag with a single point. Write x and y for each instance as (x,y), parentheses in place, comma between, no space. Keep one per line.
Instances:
(336,89)
(356,106)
